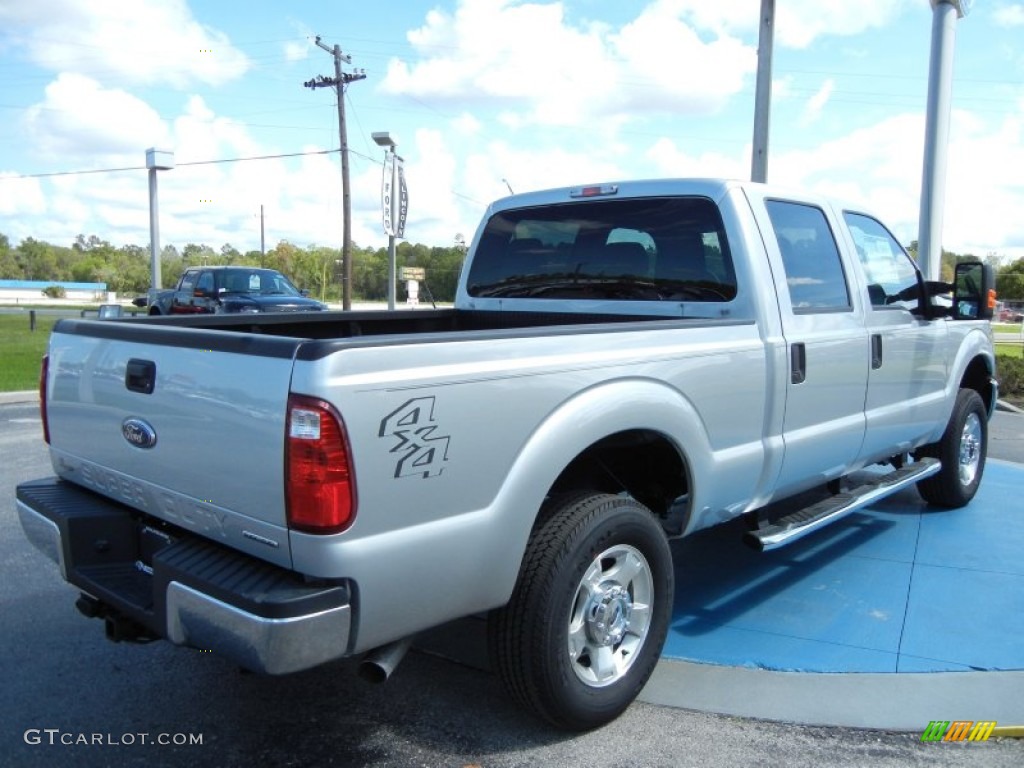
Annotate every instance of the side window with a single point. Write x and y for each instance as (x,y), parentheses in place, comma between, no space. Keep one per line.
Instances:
(891,275)
(188,281)
(205,283)
(814,272)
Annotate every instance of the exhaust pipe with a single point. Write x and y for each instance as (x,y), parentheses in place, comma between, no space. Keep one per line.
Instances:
(378,664)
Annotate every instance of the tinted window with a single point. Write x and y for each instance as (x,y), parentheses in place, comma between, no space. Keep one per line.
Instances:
(188,280)
(891,275)
(658,249)
(253,280)
(814,272)
(205,283)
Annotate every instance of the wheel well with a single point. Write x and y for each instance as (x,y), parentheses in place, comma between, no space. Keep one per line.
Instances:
(641,462)
(979,378)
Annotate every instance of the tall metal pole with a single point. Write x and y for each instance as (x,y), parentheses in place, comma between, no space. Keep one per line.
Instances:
(263,239)
(936,134)
(155,280)
(156,160)
(391,236)
(392,200)
(763,94)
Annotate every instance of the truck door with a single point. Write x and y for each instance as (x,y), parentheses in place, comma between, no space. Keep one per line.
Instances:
(907,380)
(826,342)
(184,294)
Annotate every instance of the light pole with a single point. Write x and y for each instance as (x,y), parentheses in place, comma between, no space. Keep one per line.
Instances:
(156,160)
(389,203)
(936,133)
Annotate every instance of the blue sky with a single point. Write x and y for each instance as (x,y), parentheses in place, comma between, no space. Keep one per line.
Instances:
(484,95)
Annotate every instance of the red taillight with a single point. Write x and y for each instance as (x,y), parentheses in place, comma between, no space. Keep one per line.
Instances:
(319,482)
(44,371)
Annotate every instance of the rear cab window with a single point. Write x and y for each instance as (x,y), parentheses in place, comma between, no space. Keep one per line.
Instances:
(662,249)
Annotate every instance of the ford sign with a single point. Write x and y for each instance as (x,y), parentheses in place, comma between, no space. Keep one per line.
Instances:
(138,433)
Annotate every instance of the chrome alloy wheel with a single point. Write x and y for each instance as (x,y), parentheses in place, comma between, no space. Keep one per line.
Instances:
(970,448)
(610,615)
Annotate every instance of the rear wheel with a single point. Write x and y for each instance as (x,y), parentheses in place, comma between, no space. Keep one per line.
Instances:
(962,450)
(589,613)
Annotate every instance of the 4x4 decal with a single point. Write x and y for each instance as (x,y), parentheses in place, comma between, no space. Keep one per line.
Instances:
(420,451)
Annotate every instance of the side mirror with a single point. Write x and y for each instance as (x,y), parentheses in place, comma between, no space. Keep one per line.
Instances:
(974,293)
(304,292)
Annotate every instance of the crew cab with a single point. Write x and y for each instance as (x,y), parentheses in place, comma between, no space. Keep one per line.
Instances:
(235,289)
(625,363)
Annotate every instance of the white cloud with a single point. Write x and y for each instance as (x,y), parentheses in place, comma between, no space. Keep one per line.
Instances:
(801,22)
(19,197)
(881,168)
(127,41)
(299,50)
(984,195)
(534,64)
(671,161)
(812,110)
(667,66)
(1009,15)
(79,121)
(798,23)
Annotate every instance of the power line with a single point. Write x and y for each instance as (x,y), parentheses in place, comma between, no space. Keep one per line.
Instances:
(193,162)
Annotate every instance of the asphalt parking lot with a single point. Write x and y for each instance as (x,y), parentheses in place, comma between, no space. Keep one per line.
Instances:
(71,698)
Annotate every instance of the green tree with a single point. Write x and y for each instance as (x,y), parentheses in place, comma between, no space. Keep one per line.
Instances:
(229,254)
(197,255)
(369,274)
(88,269)
(1010,281)
(38,259)
(10,268)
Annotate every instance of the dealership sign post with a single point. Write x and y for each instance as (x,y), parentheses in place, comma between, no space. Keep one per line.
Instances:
(394,199)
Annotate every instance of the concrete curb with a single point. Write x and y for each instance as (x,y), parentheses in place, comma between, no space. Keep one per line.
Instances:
(10,398)
(892,702)
(1002,405)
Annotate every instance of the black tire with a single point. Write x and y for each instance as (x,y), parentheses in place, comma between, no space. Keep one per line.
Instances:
(962,451)
(578,657)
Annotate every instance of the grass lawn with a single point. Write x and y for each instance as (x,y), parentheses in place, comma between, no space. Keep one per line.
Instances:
(21,350)
(1010,349)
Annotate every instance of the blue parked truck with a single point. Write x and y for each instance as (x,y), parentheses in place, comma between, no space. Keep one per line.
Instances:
(234,289)
(625,363)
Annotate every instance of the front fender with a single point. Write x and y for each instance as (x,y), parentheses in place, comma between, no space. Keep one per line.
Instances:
(972,348)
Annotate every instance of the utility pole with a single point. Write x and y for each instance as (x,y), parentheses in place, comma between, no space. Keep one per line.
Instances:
(763,93)
(339,81)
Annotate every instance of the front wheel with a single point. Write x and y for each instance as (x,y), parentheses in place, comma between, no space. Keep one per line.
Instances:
(962,450)
(589,614)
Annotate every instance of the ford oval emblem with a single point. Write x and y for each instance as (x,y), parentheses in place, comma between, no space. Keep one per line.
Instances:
(138,433)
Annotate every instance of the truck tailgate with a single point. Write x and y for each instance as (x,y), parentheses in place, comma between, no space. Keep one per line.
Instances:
(184,424)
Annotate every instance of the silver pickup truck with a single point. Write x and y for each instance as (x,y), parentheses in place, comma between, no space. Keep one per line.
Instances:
(625,363)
